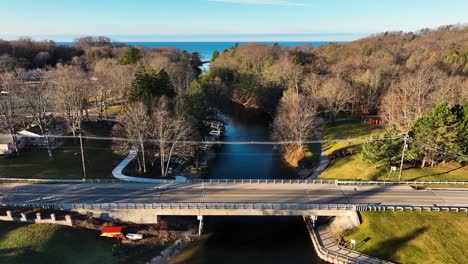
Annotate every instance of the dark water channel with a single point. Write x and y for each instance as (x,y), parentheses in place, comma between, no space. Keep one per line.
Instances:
(250,239)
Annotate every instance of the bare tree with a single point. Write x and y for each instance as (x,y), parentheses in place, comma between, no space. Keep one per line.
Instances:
(136,123)
(37,98)
(169,134)
(102,93)
(410,98)
(284,73)
(370,85)
(115,79)
(71,93)
(334,95)
(10,106)
(311,86)
(295,122)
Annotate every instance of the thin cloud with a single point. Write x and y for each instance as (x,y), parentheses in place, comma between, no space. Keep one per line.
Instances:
(260,2)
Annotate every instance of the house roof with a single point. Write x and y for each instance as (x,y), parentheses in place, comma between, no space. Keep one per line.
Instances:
(33,131)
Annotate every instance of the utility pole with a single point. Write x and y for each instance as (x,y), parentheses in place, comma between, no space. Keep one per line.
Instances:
(82,157)
(405,139)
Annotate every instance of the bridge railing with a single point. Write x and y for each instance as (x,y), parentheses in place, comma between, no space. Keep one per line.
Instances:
(383,208)
(241,206)
(220,206)
(260,181)
(240,181)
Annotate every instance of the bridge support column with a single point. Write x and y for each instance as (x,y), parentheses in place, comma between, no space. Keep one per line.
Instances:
(200,224)
(313,219)
(155,218)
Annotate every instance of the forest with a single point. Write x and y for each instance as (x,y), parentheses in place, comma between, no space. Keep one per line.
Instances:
(415,82)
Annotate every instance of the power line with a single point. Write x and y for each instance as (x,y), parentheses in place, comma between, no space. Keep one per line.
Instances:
(219,142)
(425,146)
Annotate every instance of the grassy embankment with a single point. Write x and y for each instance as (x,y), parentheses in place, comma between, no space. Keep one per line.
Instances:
(413,237)
(35,163)
(352,167)
(25,243)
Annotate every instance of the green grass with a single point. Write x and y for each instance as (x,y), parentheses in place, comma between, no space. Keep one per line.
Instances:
(46,243)
(66,164)
(353,168)
(413,237)
(22,243)
(345,130)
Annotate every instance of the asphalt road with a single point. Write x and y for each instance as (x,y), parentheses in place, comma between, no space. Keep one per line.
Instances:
(230,193)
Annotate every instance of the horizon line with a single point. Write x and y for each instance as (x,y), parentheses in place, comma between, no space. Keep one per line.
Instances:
(265,37)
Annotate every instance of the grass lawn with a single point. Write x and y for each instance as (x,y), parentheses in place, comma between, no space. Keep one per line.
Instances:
(413,237)
(22,243)
(35,163)
(353,168)
(46,243)
(345,130)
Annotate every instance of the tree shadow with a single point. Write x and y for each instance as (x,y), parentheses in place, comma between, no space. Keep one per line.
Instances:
(436,174)
(388,248)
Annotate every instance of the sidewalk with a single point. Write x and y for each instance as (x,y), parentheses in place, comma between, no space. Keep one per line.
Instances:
(322,165)
(329,242)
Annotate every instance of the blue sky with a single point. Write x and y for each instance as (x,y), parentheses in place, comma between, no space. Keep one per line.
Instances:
(230,20)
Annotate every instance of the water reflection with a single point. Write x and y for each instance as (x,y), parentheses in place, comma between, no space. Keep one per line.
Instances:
(254,240)
(246,161)
(249,239)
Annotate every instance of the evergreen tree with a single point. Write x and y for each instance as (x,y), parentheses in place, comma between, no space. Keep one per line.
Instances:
(440,130)
(384,149)
(196,63)
(131,56)
(147,85)
(163,85)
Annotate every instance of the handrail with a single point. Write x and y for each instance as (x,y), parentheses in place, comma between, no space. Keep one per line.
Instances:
(326,254)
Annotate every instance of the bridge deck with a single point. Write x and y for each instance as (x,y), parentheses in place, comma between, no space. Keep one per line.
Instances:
(229,193)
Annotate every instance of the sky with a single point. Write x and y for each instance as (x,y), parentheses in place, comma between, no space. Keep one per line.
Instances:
(223,20)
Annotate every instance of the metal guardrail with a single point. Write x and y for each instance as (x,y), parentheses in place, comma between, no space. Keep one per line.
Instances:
(243,181)
(383,208)
(345,182)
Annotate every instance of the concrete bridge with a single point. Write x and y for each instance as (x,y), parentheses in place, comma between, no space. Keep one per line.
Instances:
(142,203)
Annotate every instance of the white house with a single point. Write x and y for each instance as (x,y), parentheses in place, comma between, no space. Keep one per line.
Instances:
(32,137)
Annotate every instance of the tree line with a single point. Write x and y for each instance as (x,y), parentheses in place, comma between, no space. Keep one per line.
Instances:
(159,91)
(396,75)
